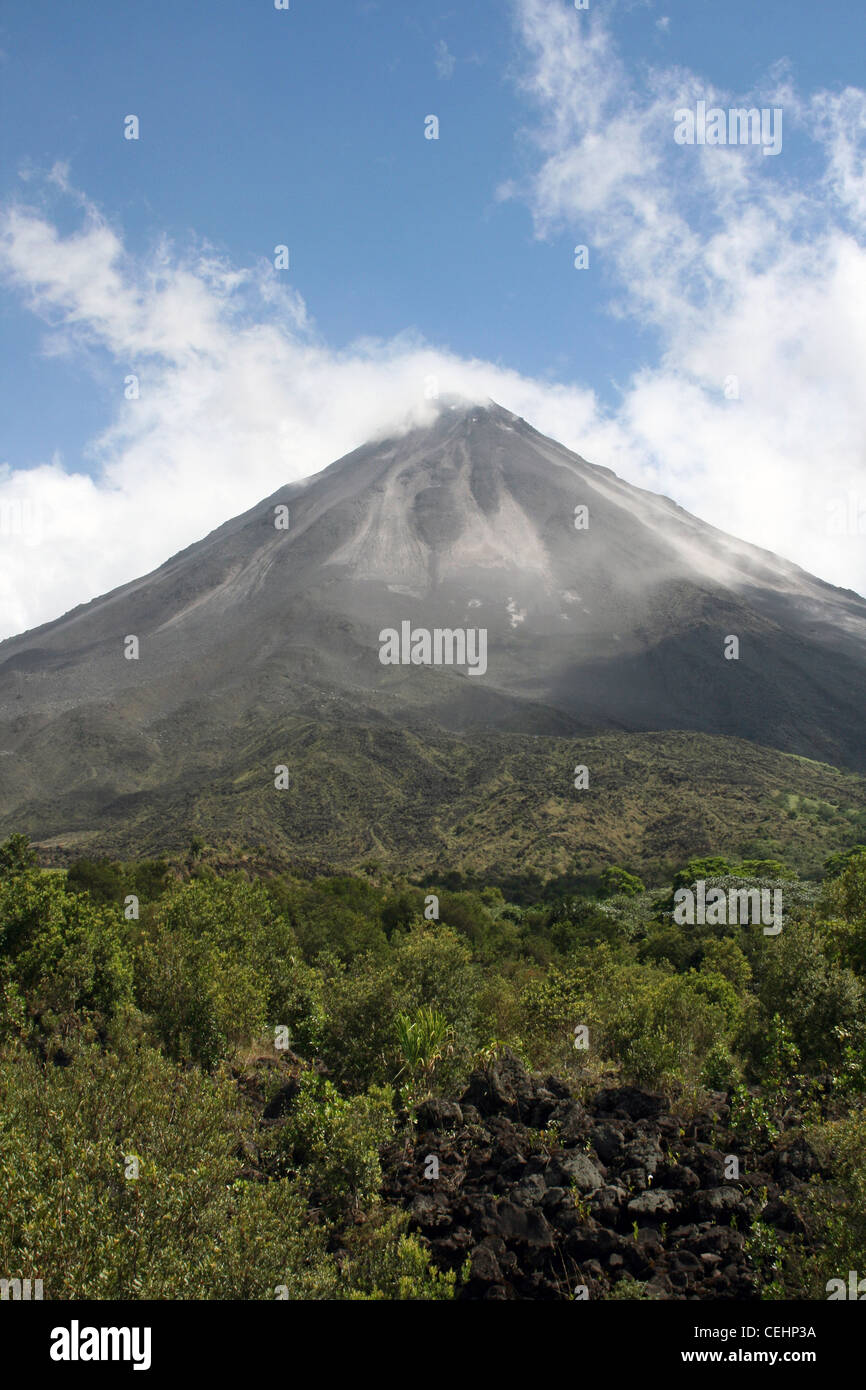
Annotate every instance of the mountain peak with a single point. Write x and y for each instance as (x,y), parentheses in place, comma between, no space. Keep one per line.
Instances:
(601,606)
(454,401)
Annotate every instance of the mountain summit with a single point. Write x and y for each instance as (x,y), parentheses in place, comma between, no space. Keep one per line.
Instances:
(603,607)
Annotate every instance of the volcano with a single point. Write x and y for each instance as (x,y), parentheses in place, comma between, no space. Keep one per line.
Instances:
(605,610)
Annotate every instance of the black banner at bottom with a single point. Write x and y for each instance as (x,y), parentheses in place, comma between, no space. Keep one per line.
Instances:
(59,1340)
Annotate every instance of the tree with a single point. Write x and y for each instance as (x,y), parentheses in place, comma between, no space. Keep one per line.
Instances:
(68,960)
(711,866)
(837,863)
(615,880)
(16,856)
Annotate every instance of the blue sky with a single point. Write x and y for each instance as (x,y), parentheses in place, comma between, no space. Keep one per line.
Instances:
(306,127)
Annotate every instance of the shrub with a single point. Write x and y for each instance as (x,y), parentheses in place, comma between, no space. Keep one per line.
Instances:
(423,1039)
(384,1262)
(332,1142)
(66,964)
(218,966)
(184,1228)
(751,1120)
(814,996)
(831,1211)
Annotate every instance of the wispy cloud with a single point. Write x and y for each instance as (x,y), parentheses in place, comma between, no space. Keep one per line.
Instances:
(445,61)
(752,275)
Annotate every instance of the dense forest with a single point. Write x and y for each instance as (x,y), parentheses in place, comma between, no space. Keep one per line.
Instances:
(216,1084)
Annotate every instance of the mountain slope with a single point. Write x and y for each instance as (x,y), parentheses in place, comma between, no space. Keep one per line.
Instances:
(256,632)
(493,804)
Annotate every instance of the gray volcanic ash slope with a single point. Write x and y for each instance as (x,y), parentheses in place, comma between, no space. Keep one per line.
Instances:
(466,524)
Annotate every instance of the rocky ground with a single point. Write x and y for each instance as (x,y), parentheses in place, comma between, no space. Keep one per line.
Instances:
(548,1196)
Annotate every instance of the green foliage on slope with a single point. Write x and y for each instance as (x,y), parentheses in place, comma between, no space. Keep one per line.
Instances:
(494,806)
(158,1045)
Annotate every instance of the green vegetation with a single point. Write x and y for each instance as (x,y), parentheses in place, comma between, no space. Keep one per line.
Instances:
(499,808)
(159,1139)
